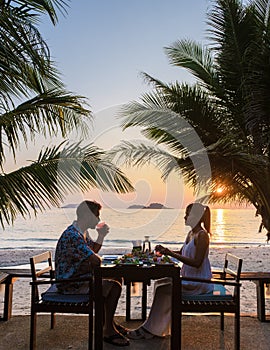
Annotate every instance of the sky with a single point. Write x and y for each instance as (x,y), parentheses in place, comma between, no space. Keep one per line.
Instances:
(101,47)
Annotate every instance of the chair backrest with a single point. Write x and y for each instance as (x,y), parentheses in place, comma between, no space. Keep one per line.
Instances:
(41,267)
(232,268)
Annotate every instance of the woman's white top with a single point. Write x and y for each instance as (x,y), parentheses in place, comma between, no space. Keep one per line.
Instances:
(204,271)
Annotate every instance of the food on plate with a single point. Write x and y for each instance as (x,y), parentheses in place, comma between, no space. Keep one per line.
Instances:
(139,258)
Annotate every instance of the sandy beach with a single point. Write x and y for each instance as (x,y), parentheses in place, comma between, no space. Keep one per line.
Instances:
(255,258)
(14,334)
(254,334)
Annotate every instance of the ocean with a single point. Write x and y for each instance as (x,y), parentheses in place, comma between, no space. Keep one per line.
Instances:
(230,227)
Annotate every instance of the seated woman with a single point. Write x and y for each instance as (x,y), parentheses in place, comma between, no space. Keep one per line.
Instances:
(194,256)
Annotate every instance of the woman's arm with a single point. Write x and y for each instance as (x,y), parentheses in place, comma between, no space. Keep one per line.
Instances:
(202,244)
(162,250)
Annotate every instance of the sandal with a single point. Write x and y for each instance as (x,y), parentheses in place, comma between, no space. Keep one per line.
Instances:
(121,329)
(139,333)
(117,340)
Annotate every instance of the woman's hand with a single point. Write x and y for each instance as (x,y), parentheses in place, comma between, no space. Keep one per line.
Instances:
(163,250)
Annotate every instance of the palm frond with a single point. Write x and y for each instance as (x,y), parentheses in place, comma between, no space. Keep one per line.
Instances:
(52,113)
(140,154)
(32,9)
(24,58)
(57,172)
(196,59)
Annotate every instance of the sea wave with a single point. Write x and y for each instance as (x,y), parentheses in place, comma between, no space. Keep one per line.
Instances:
(49,244)
(29,239)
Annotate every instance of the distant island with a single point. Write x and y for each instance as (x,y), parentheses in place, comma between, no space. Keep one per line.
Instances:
(72,205)
(134,206)
(150,206)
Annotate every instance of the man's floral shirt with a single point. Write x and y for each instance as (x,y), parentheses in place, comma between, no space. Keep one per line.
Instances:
(72,251)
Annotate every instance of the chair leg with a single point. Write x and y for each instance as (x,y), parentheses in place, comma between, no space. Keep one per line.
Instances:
(237,331)
(128,286)
(91,322)
(33,328)
(90,335)
(222,321)
(52,320)
(180,343)
(144,300)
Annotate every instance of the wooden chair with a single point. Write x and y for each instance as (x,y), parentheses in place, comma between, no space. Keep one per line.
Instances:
(221,300)
(51,300)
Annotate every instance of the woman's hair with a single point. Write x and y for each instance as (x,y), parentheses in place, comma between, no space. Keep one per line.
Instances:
(203,214)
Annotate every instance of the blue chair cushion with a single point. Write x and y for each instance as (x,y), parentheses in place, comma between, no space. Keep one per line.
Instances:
(52,294)
(219,293)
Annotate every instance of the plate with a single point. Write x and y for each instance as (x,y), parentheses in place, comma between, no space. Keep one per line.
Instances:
(163,264)
(130,264)
(109,260)
(110,257)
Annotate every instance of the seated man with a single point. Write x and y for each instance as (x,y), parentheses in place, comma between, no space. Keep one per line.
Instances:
(76,255)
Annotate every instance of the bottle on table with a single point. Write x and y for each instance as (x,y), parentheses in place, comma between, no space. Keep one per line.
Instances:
(146,245)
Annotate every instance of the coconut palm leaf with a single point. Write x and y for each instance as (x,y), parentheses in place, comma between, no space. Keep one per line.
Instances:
(22,48)
(52,113)
(31,9)
(57,172)
(196,59)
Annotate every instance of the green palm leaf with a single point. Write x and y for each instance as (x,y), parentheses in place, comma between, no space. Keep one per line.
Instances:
(57,172)
(51,113)
(196,59)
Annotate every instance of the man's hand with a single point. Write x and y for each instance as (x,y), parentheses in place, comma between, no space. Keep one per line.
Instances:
(102,232)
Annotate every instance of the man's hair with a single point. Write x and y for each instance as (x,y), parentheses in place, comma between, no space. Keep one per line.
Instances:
(88,205)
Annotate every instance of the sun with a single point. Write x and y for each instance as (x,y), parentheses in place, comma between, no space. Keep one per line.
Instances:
(219,189)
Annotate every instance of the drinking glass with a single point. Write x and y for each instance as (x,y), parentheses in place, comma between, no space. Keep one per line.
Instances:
(137,245)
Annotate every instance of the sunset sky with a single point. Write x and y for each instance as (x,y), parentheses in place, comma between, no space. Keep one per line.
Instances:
(101,47)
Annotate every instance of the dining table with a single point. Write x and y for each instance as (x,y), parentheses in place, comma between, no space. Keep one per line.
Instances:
(140,273)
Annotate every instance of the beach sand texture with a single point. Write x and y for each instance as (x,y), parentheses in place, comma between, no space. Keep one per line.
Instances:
(198,333)
(255,258)
(254,334)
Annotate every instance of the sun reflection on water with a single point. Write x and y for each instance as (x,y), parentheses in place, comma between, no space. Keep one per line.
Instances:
(218,226)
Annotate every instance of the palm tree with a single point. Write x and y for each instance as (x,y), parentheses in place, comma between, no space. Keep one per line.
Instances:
(34,102)
(227,108)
